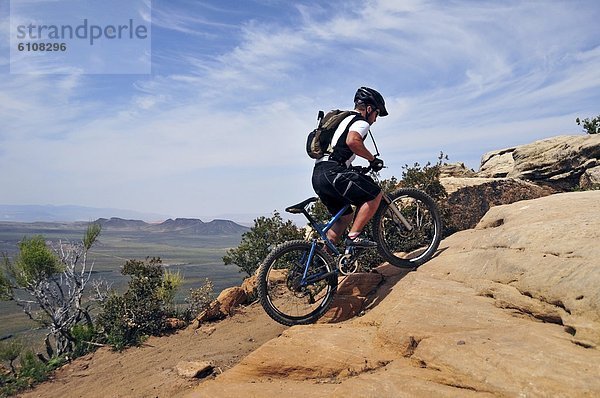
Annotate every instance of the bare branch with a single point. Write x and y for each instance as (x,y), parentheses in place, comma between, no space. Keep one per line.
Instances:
(57,290)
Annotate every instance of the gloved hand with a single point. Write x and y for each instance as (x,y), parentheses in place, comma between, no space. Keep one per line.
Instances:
(376,164)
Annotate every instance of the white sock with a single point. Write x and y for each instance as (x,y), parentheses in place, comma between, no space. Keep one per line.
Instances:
(353,235)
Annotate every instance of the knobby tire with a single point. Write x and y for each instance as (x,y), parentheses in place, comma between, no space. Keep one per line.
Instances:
(283,297)
(396,244)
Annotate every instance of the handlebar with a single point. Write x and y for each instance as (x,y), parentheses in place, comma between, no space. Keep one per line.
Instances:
(361,169)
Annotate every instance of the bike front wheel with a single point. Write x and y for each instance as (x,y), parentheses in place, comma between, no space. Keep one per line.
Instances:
(407,246)
(293,291)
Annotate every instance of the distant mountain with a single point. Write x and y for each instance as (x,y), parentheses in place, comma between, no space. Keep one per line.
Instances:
(180,224)
(246,219)
(225,227)
(68,213)
(195,226)
(122,224)
(188,226)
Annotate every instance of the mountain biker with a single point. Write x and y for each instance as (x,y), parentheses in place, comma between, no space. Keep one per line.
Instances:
(337,184)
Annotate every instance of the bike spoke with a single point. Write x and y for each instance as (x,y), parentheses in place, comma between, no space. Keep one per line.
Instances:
(287,295)
(403,246)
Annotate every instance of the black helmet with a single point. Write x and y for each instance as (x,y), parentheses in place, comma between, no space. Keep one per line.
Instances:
(368,96)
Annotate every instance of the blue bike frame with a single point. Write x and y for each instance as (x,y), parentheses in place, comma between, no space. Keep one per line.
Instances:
(323,234)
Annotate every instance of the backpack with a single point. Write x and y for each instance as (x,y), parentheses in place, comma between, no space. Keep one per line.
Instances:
(318,143)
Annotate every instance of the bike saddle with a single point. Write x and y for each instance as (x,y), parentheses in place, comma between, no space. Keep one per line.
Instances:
(297,209)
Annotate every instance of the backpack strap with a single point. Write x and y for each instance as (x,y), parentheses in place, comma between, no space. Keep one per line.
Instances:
(341,152)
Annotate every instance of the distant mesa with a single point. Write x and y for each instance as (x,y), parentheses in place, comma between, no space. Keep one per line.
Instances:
(179,224)
(225,227)
(120,223)
(192,226)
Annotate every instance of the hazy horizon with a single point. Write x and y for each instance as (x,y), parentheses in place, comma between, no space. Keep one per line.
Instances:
(73,213)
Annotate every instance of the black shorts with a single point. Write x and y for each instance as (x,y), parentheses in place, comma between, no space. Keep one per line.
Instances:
(338,186)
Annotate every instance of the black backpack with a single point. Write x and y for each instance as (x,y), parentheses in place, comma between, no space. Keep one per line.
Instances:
(318,143)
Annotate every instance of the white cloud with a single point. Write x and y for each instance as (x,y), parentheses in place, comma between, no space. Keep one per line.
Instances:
(182,21)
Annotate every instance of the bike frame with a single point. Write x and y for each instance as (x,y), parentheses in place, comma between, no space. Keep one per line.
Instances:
(323,235)
(396,216)
(323,232)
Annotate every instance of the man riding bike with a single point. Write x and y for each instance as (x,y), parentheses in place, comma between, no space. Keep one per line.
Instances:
(337,184)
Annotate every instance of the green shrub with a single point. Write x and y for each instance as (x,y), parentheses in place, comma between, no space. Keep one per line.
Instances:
(32,369)
(117,330)
(126,320)
(590,126)
(198,299)
(56,362)
(256,243)
(10,351)
(35,262)
(84,336)
(426,178)
(171,282)
(5,285)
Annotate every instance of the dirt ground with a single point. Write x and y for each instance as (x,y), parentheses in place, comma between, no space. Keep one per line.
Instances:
(150,370)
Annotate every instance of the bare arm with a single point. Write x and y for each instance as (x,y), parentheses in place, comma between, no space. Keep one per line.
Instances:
(355,142)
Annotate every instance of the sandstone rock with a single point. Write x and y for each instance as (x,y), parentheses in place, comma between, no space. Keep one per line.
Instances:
(511,308)
(231,298)
(359,284)
(344,308)
(497,164)
(590,178)
(388,271)
(224,305)
(194,369)
(174,323)
(560,160)
(455,170)
(249,286)
(212,313)
(546,249)
(453,184)
(351,296)
(466,206)
(557,161)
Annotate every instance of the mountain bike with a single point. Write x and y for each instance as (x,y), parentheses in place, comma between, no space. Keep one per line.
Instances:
(298,279)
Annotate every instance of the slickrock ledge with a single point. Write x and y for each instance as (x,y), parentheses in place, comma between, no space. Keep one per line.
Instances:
(556,161)
(510,308)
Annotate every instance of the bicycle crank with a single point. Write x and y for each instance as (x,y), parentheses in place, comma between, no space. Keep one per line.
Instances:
(347,264)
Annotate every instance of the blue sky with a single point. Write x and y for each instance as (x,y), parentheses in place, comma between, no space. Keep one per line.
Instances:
(218,127)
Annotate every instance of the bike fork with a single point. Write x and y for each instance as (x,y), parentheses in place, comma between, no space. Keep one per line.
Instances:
(311,254)
(398,215)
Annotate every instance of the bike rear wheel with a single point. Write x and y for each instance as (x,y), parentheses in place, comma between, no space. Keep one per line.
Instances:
(285,294)
(396,243)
